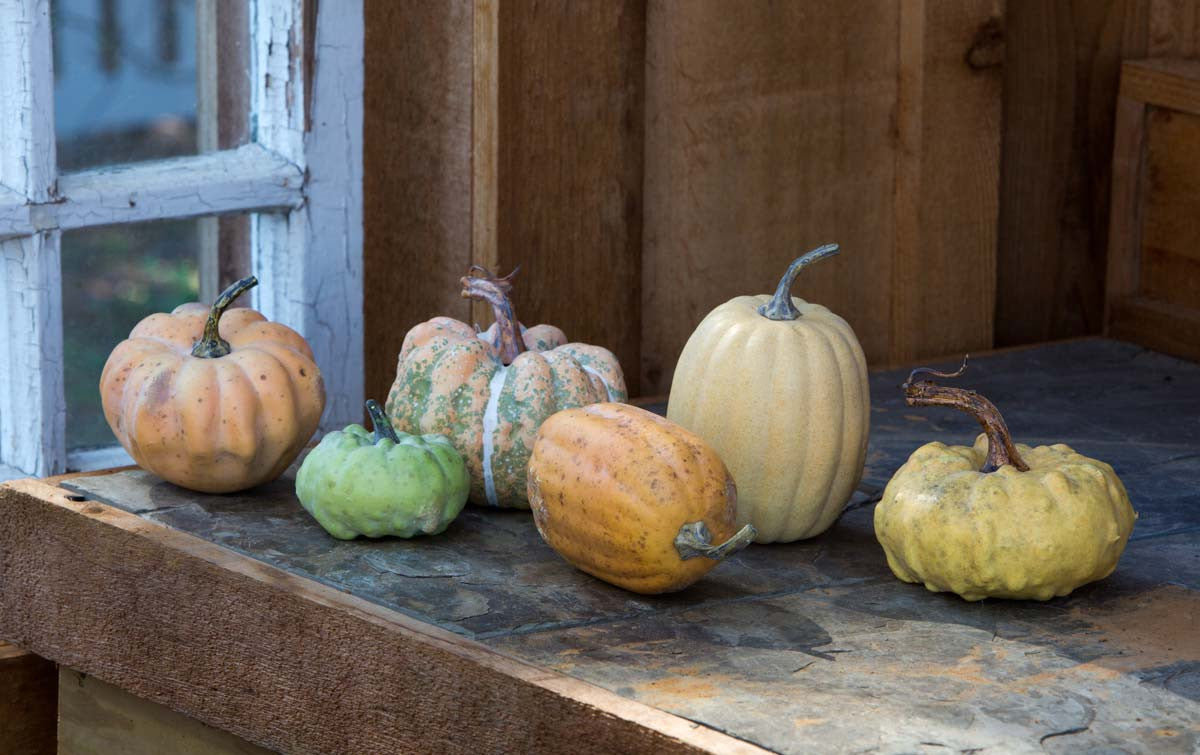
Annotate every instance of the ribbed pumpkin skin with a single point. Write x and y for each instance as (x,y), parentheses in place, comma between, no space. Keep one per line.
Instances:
(212,425)
(610,486)
(786,405)
(445,378)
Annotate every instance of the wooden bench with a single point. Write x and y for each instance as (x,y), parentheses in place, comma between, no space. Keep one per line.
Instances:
(239,611)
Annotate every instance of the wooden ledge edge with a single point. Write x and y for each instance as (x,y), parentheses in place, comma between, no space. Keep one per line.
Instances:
(42,493)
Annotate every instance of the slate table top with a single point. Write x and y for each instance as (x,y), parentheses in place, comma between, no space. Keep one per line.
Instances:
(815,645)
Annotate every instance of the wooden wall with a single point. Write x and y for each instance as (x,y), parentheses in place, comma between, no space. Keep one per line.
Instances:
(1062,64)
(645,160)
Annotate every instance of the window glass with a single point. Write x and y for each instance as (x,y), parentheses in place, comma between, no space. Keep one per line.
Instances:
(113,276)
(139,79)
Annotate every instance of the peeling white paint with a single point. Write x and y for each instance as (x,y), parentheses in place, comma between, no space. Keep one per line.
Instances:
(32,404)
(334,223)
(238,180)
(307,239)
(310,261)
(27,160)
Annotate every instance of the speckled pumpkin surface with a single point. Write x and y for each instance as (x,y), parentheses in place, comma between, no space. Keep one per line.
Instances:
(1007,534)
(612,486)
(490,392)
(1000,519)
(219,422)
(783,397)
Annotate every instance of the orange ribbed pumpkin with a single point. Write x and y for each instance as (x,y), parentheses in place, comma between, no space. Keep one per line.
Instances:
(632,498)
(209,413)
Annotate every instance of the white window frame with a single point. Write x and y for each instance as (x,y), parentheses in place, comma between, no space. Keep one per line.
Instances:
(304,185)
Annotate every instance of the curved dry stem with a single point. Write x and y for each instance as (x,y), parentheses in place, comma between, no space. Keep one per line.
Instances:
(695,541)
(211,345)
(494,291)
(780,306)
(1001,449)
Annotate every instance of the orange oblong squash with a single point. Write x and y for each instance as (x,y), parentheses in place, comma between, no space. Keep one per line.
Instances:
(632,498)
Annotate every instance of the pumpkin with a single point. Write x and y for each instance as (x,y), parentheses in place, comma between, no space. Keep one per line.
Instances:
(211,400)
(489,392)
(386,483)
(778,386)
(632,498)
(999,519)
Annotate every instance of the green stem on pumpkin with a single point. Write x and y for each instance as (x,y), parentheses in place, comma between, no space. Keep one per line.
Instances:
(695,541)
(211,345)
(780,307)
(381,423)
(509,343)
(1001,449)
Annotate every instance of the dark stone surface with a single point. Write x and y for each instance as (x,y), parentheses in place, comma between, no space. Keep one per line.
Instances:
(815,645)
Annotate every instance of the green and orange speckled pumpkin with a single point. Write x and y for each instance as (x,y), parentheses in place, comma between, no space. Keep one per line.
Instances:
(490,392)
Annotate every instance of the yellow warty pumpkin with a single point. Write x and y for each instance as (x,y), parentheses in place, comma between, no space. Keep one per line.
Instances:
(631,498)
(209,402)
(998,519)
(778,386)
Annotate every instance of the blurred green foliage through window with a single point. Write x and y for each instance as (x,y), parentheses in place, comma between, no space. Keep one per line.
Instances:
(114,276)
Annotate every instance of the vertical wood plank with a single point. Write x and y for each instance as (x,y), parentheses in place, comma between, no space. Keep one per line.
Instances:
(1124,232)
(28,709)
(949,99)
(1170,253)
(770,129)
(567,183)
(417,189)
(1060,91)
(485,144)
(222,122)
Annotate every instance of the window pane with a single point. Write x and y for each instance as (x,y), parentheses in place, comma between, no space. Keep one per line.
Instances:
(146,79)
(114,276)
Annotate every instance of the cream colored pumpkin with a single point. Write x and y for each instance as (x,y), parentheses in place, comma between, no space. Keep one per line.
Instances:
(778,386)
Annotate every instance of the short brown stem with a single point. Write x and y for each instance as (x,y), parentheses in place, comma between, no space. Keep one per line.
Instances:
(211,345)
(1001,449)
(508,344)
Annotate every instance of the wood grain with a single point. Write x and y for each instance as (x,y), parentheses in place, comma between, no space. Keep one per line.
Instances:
(1153,288)
(1165,82)
(769,131)
(1125,224)
(1061,72)
(558,169)
(417,182)
(1170,238)
(28,709)
(780,127)
(943,272)
(282,661)
(1171,328)
(96,718)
